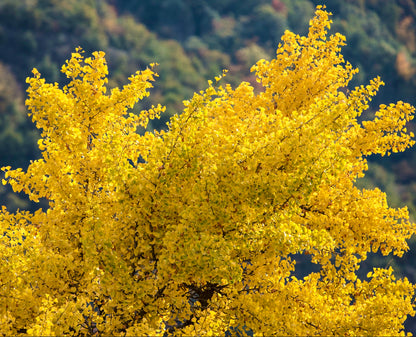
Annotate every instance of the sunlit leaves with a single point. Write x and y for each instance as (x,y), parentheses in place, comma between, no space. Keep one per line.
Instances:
(195,230)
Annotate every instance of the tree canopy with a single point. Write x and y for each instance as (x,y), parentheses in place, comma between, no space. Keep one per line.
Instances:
(194,230)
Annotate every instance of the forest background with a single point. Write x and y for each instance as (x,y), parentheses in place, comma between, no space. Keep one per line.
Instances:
(193,41)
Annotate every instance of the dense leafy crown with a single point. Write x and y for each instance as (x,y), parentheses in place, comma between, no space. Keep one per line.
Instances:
(194,230)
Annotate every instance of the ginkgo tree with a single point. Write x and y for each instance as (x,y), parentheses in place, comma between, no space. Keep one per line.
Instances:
(194,230)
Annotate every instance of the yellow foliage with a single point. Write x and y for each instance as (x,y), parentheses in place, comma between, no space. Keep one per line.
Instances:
(192,231)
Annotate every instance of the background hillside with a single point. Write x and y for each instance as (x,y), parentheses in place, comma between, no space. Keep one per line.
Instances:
(193,40)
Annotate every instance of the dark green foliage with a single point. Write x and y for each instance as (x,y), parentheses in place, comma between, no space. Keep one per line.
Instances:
(264,25)
(299,14)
